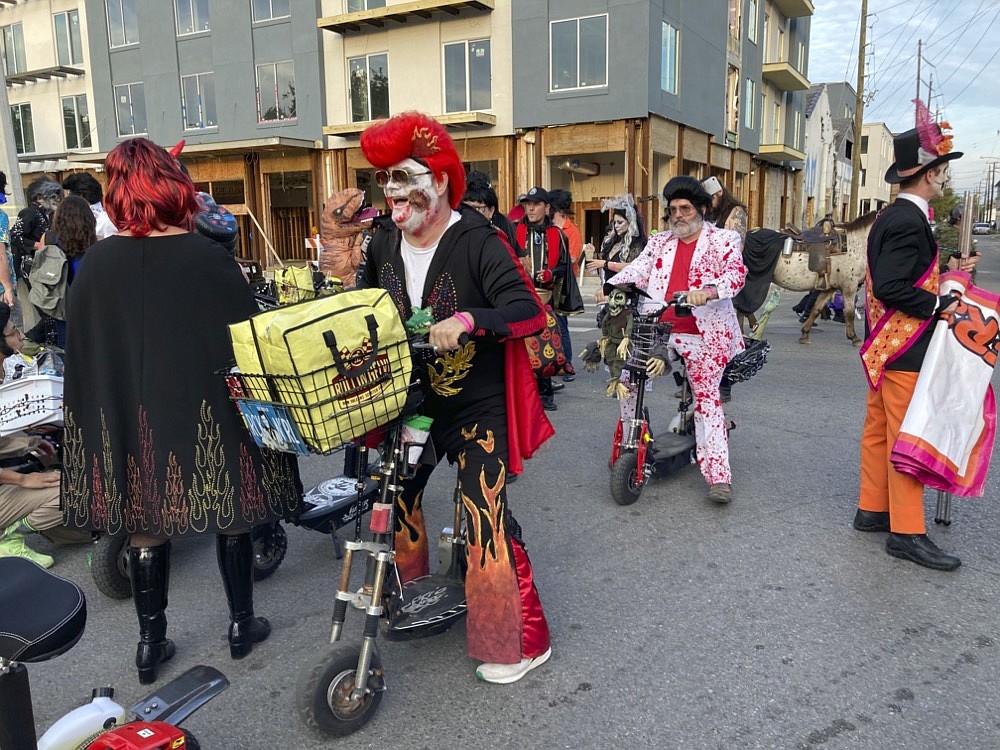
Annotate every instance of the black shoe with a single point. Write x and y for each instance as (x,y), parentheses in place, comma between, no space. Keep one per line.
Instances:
(149,573)
(235,557)
(569,378)
(920,549)
(549,404)
(803,317)
(557,387)
(871,520)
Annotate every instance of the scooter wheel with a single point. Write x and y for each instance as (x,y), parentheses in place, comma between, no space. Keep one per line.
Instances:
(109,567)
(270,542)
(625,488)
(324,697)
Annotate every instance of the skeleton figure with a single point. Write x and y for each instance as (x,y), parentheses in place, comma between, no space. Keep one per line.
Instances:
(616,333)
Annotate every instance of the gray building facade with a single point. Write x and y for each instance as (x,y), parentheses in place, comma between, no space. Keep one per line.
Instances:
(240,82)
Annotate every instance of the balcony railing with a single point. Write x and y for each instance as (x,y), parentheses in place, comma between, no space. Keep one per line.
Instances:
(450,120)
(419,10)
(794,8)
(44,74)
(784,75)
(780,152)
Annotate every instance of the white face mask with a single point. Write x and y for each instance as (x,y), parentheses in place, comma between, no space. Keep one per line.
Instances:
(414,202)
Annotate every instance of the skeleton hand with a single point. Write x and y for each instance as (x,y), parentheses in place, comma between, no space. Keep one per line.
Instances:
(623,348)
(655,367)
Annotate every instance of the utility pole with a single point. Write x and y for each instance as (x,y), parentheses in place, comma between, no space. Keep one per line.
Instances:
(859,110)
(920,44)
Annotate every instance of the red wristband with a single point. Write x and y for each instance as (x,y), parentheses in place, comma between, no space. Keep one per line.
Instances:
(469,328)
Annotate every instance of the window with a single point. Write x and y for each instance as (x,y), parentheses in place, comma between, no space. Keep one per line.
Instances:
(864,173)
(734,19)
(275,92)
(265,10)
(130,106)
(123,22)
(752,20)
(579,53)
(13,49)
(797,135)
(668,64)
(864,144)
(749,117)
(353,6)
(467,74)
(369,86)
(776,123)
(198,101)
(24,134)
(69,46)
(192,16)
(76,122)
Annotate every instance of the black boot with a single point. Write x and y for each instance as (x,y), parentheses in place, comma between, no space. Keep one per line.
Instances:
(725,391)
(149,572)
(235,554)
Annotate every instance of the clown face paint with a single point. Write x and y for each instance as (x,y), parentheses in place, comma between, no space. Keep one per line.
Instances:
(415,203)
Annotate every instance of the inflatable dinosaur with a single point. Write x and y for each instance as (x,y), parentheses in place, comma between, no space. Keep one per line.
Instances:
(341,227)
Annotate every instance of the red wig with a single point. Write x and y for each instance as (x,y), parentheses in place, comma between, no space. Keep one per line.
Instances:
(413,135)
(147,190)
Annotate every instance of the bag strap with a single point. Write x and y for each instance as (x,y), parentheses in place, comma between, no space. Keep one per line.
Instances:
(330,339)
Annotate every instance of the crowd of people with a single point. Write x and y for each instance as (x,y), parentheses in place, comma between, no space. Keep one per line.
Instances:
(154,449)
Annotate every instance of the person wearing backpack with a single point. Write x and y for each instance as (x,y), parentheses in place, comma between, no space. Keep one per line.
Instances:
(33,221)
(74,230)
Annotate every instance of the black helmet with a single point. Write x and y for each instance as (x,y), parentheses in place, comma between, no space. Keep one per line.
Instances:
(684,186)
(956,214)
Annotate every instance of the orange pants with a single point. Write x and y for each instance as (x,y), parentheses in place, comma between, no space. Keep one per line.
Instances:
(882,487)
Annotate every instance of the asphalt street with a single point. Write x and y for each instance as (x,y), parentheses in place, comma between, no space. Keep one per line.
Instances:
(676,623)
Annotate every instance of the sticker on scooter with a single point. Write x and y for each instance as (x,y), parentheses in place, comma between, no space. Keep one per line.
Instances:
(424,601)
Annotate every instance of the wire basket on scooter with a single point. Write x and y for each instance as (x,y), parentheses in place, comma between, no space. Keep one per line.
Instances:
(649,337)
(317,374)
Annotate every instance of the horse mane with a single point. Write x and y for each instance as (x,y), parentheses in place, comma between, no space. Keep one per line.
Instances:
(862,222)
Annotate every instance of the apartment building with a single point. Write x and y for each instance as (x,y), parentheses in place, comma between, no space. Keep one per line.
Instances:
(49,91)
(614,97)
(448,58)
(240,83)
(876,158)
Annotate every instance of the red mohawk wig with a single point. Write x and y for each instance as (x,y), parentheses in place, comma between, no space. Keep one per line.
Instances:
(414,135)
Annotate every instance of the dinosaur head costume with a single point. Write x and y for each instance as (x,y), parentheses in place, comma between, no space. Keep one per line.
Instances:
(341,227)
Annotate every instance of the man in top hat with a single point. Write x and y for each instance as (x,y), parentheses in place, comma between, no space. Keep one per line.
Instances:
(437,253)
(901,288)
(547,259)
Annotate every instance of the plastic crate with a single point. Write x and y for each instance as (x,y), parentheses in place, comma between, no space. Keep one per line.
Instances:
(29,402)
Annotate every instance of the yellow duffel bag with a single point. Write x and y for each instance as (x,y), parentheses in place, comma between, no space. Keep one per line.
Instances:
(340,363)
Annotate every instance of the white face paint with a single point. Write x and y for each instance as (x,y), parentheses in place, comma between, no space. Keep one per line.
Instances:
(414,202)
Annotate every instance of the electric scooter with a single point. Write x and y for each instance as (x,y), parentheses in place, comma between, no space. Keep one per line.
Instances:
(341,692)
(43,616)
(635,454)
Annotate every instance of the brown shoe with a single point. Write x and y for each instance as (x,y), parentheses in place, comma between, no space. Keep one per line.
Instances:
(720,493)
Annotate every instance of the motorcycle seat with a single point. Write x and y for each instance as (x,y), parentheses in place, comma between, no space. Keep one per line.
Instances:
(41,614)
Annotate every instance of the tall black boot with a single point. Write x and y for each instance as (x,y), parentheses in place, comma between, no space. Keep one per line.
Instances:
(149,573)
(235,554)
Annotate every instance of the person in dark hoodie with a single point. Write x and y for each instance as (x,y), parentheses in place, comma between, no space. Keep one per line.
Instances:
(481,394)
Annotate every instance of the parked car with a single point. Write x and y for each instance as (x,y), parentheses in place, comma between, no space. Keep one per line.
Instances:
(981,227)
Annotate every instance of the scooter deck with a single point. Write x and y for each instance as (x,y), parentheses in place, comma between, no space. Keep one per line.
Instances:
(671,452)
(332,504)
(426,606)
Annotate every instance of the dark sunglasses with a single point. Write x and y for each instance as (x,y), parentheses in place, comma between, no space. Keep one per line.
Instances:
(399,176)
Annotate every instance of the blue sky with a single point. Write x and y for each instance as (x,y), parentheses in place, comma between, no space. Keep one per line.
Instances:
(961,62)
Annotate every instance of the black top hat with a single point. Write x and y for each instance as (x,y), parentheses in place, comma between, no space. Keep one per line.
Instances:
(535,195)
(914,158)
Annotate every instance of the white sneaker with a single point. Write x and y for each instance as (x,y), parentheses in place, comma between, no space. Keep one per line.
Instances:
(504,674)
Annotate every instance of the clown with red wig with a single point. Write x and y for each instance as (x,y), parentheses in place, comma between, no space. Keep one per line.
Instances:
(442,255)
